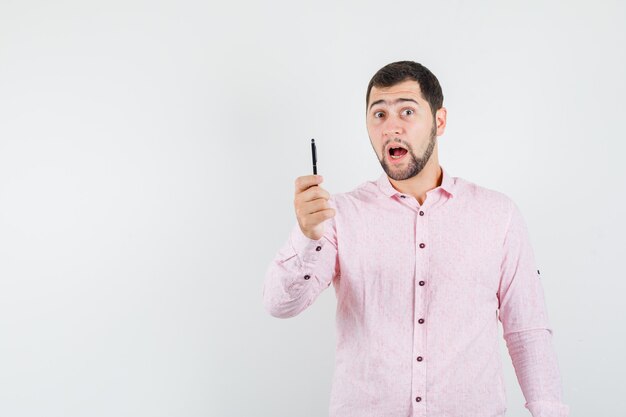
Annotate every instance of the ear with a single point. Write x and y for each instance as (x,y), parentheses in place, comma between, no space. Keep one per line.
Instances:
(440,120)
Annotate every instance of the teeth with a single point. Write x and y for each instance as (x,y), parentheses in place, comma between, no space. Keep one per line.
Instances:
(391,152)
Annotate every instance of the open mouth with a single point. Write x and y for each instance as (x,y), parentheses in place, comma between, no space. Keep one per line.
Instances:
(396,152)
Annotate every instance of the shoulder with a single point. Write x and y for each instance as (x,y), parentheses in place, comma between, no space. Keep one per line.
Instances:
(363,194)
(493,202)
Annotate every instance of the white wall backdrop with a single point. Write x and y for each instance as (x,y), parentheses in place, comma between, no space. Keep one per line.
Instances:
(147,156)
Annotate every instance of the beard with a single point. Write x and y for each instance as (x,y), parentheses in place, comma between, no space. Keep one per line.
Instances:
(415,165)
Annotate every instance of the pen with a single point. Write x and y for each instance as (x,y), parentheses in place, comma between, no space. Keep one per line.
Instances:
(314,154)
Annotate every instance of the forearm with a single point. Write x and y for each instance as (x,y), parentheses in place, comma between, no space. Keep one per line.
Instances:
(537,370)
(301,270)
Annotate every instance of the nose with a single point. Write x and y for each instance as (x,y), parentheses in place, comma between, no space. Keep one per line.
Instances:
(393,127)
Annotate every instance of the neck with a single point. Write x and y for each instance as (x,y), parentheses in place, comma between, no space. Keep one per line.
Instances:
(429,178)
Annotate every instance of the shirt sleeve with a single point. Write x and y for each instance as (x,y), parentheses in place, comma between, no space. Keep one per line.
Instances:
(526,328)
(301,270)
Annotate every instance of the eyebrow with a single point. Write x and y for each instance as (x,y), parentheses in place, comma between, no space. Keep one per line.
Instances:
(396,101)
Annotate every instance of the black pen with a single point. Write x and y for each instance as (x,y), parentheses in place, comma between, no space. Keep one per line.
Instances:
(314,154)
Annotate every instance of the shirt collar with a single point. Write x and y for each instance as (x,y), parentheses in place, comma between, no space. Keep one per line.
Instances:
(447,184)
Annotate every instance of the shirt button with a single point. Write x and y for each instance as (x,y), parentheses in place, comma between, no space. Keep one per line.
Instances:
(307,276)
(319,248)
(418,399)
(421,321)
(421,213)
(422,283)
(422,245)
(419,359)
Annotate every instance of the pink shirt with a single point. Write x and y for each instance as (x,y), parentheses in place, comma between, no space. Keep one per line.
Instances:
(420,290)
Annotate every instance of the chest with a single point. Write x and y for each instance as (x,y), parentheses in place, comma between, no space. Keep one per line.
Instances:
(448,249)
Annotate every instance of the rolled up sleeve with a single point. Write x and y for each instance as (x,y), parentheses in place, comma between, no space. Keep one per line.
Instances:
(526,327)
(301,270)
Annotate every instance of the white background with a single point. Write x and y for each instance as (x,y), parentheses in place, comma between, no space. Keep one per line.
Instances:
(147,156)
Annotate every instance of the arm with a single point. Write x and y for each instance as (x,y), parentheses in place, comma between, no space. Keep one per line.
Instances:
(287,291)
(525,323)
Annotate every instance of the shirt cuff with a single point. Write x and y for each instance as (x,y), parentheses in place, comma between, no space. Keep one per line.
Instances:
(547,409)
(307,249)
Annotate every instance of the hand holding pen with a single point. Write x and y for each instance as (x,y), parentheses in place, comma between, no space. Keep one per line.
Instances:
(311,202)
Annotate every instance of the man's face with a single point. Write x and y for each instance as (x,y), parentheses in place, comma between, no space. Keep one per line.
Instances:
(398,116)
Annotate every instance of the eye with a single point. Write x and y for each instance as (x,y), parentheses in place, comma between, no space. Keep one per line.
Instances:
(408,112)
(378,114)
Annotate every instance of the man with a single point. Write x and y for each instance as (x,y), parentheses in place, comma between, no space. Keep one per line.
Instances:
(424,265)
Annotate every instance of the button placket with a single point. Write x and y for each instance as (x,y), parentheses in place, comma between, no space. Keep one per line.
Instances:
(421,297)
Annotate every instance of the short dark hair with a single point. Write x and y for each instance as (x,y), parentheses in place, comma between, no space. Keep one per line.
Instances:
(397,72)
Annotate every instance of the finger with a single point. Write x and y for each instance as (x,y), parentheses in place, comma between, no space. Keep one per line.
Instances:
(321,216)
(313,207)
(312,193)
(307,181)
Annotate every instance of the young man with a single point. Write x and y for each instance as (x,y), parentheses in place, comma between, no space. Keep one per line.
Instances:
(423,265)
